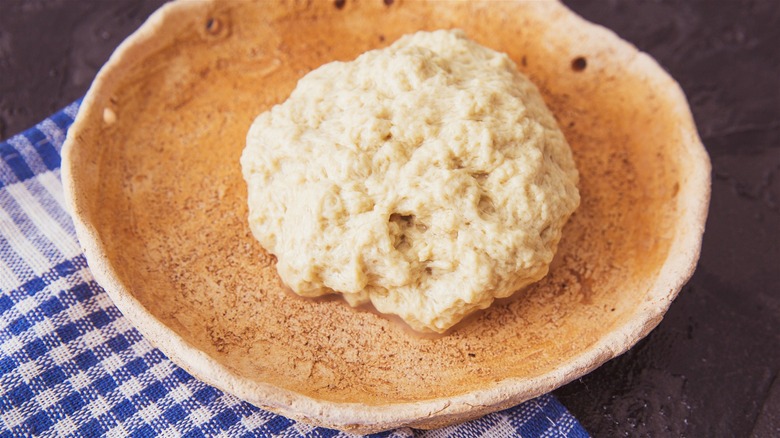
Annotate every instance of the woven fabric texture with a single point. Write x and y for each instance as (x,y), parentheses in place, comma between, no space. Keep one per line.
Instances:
(72,365)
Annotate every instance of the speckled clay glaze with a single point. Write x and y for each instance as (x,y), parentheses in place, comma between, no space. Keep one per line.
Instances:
(151,173)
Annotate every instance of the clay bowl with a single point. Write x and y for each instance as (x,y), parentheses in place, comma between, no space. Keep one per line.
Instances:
(151,172)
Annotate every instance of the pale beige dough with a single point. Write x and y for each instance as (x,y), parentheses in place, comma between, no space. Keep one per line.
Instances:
(428,178)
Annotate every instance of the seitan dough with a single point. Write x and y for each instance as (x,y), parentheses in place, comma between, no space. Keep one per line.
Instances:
(428,178)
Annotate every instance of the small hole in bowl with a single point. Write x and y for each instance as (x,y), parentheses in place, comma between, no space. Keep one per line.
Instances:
(579,63)
(213,25)
(388,2)
(340,3)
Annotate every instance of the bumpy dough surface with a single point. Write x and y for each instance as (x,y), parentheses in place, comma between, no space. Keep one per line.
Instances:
(428,177)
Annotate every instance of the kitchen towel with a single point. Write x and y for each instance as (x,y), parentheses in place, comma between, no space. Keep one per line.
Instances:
(72,365)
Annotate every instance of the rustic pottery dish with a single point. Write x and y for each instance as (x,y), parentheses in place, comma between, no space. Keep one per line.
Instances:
(151,172)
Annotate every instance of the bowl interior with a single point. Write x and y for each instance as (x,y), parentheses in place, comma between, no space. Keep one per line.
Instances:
(164,192)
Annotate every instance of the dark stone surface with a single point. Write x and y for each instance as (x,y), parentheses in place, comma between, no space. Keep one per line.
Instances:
(708,367)
(50,50)
(711,367)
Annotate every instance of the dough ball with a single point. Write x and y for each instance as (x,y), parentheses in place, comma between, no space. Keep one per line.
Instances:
(428,178)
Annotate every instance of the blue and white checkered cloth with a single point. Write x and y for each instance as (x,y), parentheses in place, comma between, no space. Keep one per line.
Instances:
(72,365)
